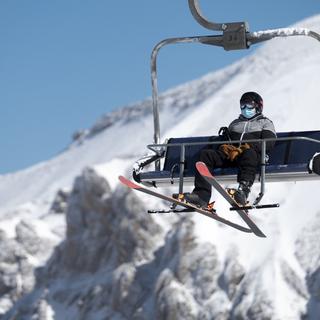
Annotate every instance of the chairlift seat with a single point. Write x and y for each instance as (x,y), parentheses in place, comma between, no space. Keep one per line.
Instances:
(288,160)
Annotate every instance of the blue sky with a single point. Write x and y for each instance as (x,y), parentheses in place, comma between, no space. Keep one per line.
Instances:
(64,63)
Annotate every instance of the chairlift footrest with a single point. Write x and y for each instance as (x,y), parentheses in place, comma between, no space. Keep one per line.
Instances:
(259,206)
(170,211)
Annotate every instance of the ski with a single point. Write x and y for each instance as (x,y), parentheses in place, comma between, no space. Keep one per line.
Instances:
(204,171)
(207,213)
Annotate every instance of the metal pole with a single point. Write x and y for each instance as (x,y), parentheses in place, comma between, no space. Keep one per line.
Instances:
(182,164)
(211,40)
(263,172)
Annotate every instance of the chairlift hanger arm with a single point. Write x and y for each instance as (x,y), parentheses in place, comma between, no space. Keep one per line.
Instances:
(212,40)
(197,14)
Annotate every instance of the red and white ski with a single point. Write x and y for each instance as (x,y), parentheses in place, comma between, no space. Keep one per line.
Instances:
(204,171)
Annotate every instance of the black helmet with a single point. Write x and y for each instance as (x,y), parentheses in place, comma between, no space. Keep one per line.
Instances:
(250,97)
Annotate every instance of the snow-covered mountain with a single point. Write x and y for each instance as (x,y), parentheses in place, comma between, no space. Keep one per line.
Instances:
(76,245)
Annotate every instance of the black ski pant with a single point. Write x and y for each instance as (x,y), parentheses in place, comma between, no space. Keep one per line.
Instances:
(246,163)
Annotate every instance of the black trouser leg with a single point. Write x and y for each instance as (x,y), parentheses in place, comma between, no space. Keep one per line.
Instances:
(213,159)
(247,163)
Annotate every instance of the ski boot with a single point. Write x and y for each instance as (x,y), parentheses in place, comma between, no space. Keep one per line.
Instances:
(195,199)
(241,194)
(192,198)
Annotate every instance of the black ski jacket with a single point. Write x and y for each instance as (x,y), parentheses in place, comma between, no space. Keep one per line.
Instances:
(258,127)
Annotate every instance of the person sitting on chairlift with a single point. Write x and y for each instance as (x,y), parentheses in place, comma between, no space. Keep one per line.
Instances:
(251,124)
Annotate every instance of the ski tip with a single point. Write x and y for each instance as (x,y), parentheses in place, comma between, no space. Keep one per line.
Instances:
(261,235)
(203,169)
(128,183)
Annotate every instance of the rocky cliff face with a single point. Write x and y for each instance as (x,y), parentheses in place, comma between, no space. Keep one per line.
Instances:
(19,257)
(117,262)
(107,238)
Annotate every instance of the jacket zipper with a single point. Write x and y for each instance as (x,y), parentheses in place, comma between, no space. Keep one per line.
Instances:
(244,131)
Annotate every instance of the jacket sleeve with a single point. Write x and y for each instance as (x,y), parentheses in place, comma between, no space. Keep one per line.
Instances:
(269,134)
(268,131)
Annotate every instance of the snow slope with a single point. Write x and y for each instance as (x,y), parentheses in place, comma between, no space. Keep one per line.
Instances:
(286,72)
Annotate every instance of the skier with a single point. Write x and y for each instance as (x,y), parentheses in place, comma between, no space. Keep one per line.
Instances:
(251,124)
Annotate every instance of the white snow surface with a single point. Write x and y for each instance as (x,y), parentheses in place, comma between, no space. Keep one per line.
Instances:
(286,72)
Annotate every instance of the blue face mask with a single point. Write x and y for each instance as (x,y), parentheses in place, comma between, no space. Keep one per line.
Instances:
(248,112)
